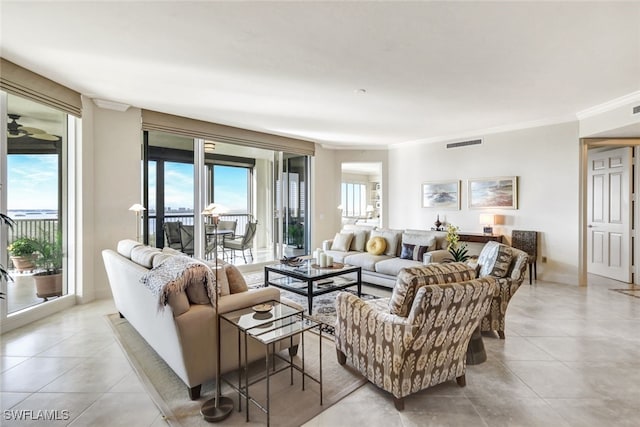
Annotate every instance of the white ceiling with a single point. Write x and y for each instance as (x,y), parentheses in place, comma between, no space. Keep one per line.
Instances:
(430,69)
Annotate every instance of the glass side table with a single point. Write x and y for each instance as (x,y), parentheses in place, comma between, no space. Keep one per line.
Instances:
(269,323)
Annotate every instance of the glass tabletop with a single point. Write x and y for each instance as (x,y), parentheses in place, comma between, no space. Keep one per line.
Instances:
(255,317)
(309,269)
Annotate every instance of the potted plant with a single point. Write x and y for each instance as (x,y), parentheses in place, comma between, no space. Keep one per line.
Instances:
(21,251)
(5,220)
(459,253)
(49,281)
(296,235)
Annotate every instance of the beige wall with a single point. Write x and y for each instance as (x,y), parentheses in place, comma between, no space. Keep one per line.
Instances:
(117,184)
(546,161)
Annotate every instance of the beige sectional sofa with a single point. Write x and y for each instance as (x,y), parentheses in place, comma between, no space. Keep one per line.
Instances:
(404,249)
(183,332)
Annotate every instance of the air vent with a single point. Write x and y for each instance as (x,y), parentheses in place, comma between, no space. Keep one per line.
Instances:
(636,110)
(464,143)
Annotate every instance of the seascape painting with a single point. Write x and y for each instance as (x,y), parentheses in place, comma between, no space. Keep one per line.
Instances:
(441,195)
(501,192)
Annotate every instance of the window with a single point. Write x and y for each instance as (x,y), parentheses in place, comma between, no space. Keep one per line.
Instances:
(231,188)
(354,199)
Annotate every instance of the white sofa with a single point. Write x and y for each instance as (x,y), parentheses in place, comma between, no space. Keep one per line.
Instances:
(383,269)
(183,333)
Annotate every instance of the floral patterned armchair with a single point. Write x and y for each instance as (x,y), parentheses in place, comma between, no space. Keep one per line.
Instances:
(419,337)
(508,265)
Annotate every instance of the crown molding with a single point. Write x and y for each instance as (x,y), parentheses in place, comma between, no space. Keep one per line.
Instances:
(609,105)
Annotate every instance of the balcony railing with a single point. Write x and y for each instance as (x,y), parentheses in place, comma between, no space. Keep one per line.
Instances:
(243,220)
(38,229)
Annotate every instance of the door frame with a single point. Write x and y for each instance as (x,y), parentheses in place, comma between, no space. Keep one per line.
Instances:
(585,144)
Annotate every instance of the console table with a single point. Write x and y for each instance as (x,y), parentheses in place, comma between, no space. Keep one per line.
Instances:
(480,237)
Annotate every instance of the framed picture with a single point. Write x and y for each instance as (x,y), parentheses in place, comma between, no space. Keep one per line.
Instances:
(498,192)
(441,195)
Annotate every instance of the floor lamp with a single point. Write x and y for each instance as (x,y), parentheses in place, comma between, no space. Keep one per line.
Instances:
(138,209)
(220,407)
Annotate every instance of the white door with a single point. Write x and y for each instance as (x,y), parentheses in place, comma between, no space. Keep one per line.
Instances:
(609,214)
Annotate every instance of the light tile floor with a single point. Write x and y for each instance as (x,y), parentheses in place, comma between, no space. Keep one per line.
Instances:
(571,358)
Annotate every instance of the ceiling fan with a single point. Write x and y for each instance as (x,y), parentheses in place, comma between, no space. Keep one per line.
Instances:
(16,130)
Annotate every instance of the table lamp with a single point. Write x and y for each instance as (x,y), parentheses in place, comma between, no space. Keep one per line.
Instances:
(138,209)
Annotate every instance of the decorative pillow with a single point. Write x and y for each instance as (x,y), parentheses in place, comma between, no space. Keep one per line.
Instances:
(413,252)
(341,242)
(495,260)
(376,245)
(235,279)
(160,258)
(359,241)
(391,237)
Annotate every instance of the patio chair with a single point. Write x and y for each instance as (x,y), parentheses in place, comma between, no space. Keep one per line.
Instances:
(243,242)
(226,229)
(172,234)
(186,239)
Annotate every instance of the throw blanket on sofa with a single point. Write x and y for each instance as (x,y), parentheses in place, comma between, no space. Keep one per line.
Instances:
(175,275)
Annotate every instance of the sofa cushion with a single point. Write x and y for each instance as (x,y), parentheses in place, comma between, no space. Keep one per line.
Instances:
(494,260)
(171,251)
(342,241)
(420,239)
(439,236)
(413,252)
(160,258)
(376,245)
(413,278)
(365,260)
(236,280)
(125,246)
(144,255)
(392,237)
(339,256)
(393,266)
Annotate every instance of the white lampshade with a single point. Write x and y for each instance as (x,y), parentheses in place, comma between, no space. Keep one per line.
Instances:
(487,219)
(137,207)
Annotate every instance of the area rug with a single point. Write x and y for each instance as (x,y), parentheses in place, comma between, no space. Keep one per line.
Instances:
(631,292)
(324,310)
(290,406)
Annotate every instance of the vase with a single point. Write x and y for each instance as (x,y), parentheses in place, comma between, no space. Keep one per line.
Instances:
(48,285)
(23,263)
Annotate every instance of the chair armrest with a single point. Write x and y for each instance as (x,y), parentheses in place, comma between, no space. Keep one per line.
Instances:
(249,298)
(359,326)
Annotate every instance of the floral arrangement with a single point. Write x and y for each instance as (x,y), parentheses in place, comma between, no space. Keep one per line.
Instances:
(459,253)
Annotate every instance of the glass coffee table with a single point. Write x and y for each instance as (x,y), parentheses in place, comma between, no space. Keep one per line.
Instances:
(310,281)
(269,323)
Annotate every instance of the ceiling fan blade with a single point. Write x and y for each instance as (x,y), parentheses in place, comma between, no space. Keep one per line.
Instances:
(45,137)
(31,130)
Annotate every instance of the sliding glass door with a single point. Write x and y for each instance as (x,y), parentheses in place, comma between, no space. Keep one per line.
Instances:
(291,205)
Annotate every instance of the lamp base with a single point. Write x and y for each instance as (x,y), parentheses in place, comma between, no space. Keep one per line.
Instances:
(214,414)
(487,230)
